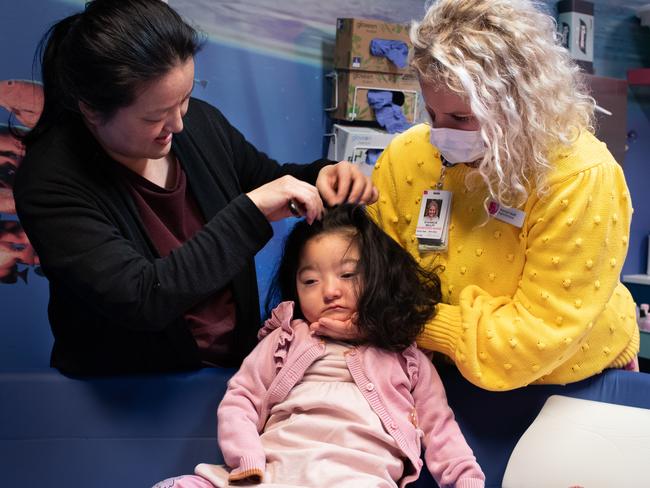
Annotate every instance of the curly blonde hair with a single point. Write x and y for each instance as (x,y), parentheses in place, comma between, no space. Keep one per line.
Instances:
(505,58)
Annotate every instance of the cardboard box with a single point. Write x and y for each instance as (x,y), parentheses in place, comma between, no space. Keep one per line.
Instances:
(352,49)
(350,95)
(575,22)
(352,143)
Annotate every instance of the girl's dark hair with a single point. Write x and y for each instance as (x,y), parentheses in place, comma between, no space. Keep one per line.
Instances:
(103,55)
(396,297)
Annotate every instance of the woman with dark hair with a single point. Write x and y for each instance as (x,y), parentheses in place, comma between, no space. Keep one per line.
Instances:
(306,411)
(146,206)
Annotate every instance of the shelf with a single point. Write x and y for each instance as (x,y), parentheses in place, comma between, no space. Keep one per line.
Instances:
(639,76)
(639,279)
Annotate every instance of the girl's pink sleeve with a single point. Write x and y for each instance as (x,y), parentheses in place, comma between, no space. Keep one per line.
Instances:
(239,414)
(448,457)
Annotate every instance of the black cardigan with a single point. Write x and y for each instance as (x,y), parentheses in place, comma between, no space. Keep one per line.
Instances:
(115,305)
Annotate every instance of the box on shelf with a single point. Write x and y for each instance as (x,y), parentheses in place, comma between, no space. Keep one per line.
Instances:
(350,95)
(575,21)
(352,48)
(355,144)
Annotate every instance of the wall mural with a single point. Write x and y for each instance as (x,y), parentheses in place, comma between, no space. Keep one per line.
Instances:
(302,31)
(23,99)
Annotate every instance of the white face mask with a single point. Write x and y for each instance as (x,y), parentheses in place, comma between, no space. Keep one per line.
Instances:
(458,146)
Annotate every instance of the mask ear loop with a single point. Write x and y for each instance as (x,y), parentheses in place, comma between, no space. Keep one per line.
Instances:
(445,163)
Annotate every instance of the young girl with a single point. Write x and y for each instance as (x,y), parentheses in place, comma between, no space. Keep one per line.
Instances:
(308,411)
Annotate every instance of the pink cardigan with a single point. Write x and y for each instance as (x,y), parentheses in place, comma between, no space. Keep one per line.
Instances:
(403,389)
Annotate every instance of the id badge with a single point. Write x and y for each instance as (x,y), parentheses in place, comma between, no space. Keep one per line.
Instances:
(432,230)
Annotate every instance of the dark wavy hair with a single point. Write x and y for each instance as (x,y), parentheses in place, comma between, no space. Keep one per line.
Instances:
(396,296)
(105,54)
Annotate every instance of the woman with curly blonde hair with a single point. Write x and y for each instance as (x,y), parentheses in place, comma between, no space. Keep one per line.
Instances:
(540,211)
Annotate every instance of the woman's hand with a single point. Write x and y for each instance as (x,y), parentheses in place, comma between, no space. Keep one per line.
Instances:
(273,199)
(346,330)
(344,182)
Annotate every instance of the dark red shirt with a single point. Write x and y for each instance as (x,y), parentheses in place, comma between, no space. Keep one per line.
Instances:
(171,217)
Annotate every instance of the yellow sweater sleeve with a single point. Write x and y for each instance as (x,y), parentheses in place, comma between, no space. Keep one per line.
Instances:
(575,241)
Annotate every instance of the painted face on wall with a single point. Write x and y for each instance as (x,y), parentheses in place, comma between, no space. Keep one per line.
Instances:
(327,280)
(11,153)
(14,249)
(24,99)
(143,131)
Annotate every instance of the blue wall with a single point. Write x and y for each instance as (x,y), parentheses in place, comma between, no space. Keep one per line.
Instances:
(264,66)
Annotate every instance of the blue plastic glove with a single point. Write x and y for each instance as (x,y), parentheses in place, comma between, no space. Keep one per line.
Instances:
(389,115)
(395,51)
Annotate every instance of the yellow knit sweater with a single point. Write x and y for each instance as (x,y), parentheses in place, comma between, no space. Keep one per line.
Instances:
(537,304)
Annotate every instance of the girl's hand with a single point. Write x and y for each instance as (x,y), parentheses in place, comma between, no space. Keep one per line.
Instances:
(336,329)
(273,199)
(344,182)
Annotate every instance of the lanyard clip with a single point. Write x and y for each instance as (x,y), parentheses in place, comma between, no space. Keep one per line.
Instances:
(441,179)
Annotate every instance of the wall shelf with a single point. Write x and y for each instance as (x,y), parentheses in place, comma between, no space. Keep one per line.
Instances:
(639,76)
(639,279)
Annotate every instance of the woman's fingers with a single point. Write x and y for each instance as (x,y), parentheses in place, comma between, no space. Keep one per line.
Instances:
(331,183)
(344,182)
(363,190)
(360,183)
(370,194)
(337,183)
(274,199)
(308,202)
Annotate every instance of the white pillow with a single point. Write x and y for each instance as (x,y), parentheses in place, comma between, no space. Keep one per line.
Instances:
(582,443)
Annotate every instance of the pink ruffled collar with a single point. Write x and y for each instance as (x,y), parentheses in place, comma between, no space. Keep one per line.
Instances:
(281,316)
